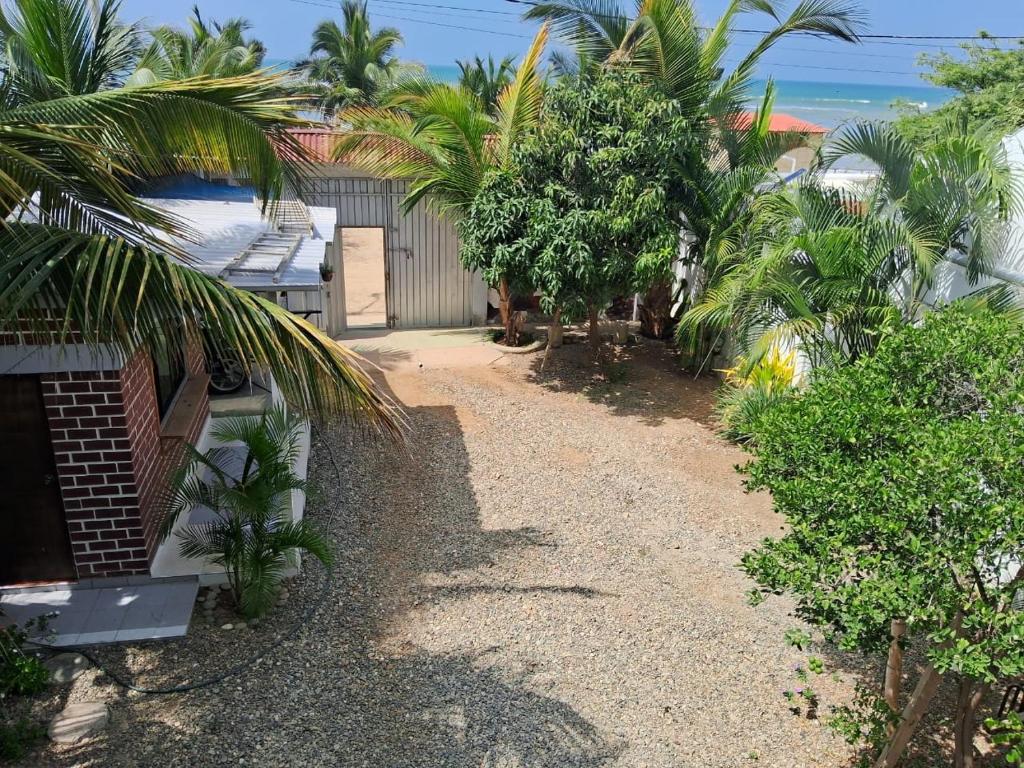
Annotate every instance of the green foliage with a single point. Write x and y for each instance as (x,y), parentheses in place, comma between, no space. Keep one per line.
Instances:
(827,274)
(17,737)
(352,64)
(864,722)
(76,141)
(205,49)
(486,80)
(751,389)
(1008,732)
(252,537)
(21,674)
(989,81)
(585,210)
(902,480)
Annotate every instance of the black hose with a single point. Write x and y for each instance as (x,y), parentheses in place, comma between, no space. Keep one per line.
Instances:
(183,688)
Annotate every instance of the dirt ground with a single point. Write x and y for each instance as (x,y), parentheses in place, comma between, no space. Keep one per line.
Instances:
(363,260)
(546,576)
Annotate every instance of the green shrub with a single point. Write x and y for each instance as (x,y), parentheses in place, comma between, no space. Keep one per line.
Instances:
(902,480)
(20,673)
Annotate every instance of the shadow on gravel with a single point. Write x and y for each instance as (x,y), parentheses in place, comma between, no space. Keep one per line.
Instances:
(642,380)
(349,689)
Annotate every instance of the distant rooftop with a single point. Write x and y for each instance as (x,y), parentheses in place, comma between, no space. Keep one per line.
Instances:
(780,122)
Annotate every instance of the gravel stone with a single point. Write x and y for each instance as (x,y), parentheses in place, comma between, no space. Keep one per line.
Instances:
(544,577)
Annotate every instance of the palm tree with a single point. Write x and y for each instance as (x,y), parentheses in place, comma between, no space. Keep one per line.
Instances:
(442,138)
(825,273)
(252,536)
(354,65)
(82,258)
(487,80)
(203,50)
(663,39)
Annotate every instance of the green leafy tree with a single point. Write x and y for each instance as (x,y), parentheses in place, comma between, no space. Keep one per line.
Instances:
(252,537)
(586,210)
(81,254)
(353,64)
(204,49)
(902,481)
(825,273)
(487,79)
(665,41)
(989,85)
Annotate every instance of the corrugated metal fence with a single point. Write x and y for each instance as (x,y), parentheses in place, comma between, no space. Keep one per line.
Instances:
(426,285)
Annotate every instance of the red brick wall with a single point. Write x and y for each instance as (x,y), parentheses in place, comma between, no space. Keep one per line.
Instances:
(112,461)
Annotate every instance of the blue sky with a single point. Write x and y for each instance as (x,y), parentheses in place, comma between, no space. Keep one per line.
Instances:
(285,26)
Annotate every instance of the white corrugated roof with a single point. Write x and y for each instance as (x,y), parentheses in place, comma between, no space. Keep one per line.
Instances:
(225,229)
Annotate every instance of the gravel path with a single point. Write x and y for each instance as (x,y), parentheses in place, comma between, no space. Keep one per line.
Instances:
(546,579)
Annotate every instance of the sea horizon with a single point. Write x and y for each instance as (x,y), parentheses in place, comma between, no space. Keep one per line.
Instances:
(828,104)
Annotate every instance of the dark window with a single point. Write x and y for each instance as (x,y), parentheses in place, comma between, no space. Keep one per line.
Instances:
(168,371)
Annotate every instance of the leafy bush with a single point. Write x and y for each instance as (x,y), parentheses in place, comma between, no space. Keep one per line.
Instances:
(902,479)
(21,674)
(752,390)
(252,537)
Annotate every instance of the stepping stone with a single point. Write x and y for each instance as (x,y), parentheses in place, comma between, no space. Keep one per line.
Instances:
(65,667)
(79,721)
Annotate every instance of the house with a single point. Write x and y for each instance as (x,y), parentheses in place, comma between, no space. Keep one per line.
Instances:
(90,436)
(801,157)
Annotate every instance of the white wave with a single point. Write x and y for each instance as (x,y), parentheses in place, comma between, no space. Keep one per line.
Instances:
(846,101)
(802,108)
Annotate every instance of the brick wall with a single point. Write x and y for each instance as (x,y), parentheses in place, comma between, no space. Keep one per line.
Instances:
(112,461)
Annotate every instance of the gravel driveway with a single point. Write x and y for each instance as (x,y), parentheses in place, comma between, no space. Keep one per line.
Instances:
(545,579)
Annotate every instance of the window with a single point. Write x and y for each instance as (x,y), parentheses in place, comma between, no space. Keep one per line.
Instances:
(168,370)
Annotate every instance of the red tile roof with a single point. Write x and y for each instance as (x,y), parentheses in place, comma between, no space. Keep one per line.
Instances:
(318,142)
(782,123)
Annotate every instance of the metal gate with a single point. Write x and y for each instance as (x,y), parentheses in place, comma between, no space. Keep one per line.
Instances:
(425,284)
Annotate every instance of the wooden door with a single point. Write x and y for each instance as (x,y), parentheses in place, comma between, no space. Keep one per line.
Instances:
(34,543)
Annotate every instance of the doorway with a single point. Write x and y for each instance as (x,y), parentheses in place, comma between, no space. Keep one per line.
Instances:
(34,545)
(362,257)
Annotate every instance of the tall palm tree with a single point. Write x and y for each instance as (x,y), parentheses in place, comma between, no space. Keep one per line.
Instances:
(353,65)
(203,50)
(442,138)
(664,40)
(82,258)
(826,273)
(487,79)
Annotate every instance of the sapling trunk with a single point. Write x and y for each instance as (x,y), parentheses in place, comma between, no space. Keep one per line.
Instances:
(968,701)
(594,331)
(554,336)
(910,718)
(505,310)
(894,669)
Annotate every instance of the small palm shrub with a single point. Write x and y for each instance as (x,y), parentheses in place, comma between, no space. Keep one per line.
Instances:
(252,537)
(752,389)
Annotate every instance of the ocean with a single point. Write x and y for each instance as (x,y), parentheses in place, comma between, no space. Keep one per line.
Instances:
(827,104)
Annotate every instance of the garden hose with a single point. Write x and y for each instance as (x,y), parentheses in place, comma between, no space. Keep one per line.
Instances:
(231,671)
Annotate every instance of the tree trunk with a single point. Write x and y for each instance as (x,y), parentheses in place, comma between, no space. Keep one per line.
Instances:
(894,669)
(554,337)
(507,315)
(656,311)
(594,332)
(919,702)
(968,701)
